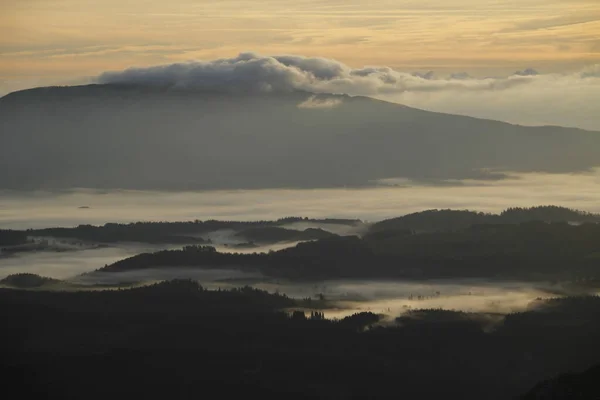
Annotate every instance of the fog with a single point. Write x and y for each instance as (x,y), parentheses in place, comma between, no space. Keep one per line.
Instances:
(70,264)
(348,297)
(63,265)
(345,297)
(395,298)
(391,198)
(46,209)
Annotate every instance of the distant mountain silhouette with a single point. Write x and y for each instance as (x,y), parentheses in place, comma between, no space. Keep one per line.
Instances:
(138,137)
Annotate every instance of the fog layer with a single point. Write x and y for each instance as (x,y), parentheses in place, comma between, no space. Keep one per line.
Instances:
(20,210)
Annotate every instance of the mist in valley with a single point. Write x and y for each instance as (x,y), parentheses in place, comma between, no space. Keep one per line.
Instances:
(68,264)
(78,270)
(72,261)
(390,198)
(393,298)
(386,199)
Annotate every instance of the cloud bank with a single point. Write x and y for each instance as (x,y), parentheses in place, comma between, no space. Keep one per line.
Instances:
(256,73)
(526,97)
(46,209)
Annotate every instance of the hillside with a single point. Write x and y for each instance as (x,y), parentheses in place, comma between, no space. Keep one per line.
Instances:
(448,220)
(526,251)
(136,137)
(179,340)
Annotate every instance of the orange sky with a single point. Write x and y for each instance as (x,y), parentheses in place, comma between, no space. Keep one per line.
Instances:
(62,41)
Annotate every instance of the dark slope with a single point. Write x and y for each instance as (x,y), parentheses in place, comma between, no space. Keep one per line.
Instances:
(176,340)
(583,386)
(110,136)
(527,251)
(449,220)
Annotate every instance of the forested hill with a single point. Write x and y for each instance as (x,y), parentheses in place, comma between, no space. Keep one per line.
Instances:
(441,220)
(531,250)
(191,232)
(298,228)
(178,340)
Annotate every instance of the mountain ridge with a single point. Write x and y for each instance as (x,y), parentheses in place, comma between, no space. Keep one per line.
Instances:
(116,136)
(183,90)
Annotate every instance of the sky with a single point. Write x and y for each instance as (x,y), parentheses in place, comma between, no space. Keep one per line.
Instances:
(50,40)
(46,42)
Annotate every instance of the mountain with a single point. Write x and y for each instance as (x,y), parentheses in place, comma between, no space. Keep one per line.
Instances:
(141,137)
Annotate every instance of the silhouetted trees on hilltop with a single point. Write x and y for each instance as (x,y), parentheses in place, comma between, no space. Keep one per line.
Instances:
(11,237)
(451,220)
(529,250)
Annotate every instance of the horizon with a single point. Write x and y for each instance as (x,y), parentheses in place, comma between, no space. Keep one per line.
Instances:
(550,44)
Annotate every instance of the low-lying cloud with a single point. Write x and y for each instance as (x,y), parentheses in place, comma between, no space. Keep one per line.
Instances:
(44,209)
(316,103)
(254,72)
(526,96)
(64,265)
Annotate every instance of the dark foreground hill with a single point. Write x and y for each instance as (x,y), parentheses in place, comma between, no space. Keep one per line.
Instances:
(581,386)
(124,136)
(175,340)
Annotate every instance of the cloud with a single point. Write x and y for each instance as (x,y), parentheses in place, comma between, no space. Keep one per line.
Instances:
(460,75)
(542,23)
(247,72)
(251,72)
(527,72)
(62,265)
(526,97)
(316,103)
(591,72)
(427,75)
